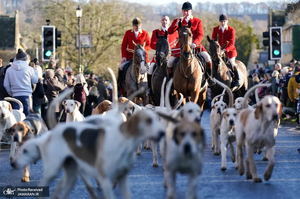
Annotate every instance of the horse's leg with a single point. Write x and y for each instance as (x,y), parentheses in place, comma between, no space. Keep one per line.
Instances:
(195,96)
(202,99)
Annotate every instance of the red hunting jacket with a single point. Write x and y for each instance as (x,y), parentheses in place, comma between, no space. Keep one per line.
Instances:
(197,30)
(127,43)
(227,35)
(171,38)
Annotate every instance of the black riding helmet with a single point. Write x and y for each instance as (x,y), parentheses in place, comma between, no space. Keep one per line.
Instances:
(187,6)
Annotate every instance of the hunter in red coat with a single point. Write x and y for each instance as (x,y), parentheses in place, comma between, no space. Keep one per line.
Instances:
(225,33)
(172,38)
(137,35)
(198,34)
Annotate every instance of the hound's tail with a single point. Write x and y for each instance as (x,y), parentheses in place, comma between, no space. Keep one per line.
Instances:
(51,117)
(16,101)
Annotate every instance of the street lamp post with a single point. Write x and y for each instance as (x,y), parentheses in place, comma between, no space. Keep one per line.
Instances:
(79,15)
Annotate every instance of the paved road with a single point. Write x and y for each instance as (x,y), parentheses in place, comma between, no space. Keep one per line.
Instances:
(147,182)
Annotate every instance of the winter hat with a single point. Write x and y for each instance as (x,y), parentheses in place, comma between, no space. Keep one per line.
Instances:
(223,17)
(187,6)
(136,22)
(21,55)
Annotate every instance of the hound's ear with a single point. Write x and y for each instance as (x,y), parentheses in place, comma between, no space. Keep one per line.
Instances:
(64,102)
(144,44)
(280,109)
(157,35)
(224,114)
(213,106)
(133,108)
(258,110)
(10,107)
(133,43)
(208,39)
(190,24)
(175,136)
(77,103)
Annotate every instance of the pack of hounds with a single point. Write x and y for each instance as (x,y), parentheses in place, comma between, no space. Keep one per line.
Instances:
(104,145)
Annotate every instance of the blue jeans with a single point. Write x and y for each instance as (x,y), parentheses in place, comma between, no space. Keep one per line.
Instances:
(25,102)
(37,109)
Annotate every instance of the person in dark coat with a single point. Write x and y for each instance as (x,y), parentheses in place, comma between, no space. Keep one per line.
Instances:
(91,101)
(81,92)
(102,90)
(52,88)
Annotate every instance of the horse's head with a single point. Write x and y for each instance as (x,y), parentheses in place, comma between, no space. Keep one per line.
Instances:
(214,48)
(139,58)
(162,48)
(185,40)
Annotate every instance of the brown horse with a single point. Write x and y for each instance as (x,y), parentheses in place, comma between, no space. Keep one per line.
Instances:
(221,72)
(136,76)
(188,74)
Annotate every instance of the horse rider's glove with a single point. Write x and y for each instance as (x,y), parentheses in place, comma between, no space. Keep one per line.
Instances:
(123,59)
(194,45)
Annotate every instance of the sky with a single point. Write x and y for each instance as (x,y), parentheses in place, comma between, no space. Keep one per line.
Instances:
(162,2)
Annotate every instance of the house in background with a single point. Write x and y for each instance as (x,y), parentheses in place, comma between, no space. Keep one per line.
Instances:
(9,37)
(291,42)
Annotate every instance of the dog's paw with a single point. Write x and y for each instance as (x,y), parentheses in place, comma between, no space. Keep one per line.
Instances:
(216,153)
(265,159)
(257,180)
(223,168)
(147,147)
(25,179)
(241,171)
(259,151)
(267,176)
(233,159)
(138,153)
(248,176)
(155,164)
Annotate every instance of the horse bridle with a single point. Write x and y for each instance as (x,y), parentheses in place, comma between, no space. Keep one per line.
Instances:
(186,43)
(163,55)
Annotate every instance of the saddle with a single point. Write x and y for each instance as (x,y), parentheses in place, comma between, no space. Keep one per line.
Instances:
(125,68)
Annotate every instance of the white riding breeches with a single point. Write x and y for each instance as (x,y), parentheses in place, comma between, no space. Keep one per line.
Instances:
(232,61)
(151,68)
(170,61)
(123,64)
(204,54)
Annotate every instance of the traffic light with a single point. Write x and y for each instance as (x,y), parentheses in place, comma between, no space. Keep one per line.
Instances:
(266,42)
(48,42)
(57,38)
(275,43)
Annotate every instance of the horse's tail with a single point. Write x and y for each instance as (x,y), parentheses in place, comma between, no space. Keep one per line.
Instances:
(246,96)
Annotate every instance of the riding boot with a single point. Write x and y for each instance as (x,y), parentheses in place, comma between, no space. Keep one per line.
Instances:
(120,77)
(235,82)
(170,72)
(149,91)
(208,74)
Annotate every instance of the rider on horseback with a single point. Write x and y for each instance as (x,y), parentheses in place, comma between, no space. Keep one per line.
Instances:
(225,34)
(137,35)
(172,38)
(197,30)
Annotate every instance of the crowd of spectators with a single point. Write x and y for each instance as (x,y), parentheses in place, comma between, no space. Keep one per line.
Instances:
(26,80)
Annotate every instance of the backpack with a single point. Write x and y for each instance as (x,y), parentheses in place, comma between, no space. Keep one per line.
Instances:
(3,92)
